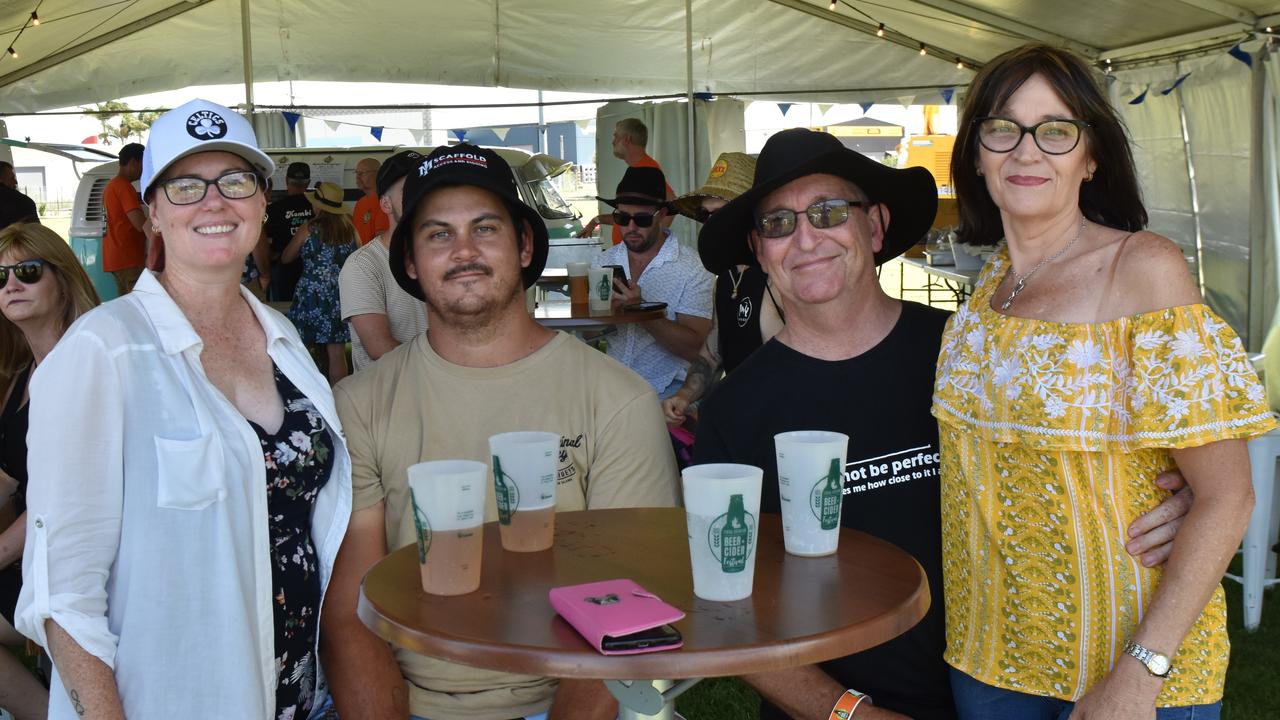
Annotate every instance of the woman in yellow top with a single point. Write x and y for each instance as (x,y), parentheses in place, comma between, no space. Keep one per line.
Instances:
(1084,364)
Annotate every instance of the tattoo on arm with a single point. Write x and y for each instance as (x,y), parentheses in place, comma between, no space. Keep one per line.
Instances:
(75,703)
(699,377)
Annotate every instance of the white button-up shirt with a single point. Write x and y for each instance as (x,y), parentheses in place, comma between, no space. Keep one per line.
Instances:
(676,277)
(147,536)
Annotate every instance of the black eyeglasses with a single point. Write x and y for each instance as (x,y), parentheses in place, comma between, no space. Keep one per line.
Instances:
(642,220)
(28,272)
(234,185)
(1054,137)
(822,215)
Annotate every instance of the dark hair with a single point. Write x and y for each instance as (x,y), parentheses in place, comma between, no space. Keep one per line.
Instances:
(5,165)
(131,152)
(1111,198)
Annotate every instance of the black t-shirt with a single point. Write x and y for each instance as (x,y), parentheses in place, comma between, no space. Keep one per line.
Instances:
(16,207)
(738,314)
(284,216)
(881,400)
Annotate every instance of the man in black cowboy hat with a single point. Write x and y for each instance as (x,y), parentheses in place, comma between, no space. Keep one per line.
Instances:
(819,219)
(469,247)
(658,269)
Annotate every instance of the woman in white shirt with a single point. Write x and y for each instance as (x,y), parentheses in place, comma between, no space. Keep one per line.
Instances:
(189,485)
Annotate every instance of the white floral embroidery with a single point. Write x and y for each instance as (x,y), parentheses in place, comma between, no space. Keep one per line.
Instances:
(1084,353)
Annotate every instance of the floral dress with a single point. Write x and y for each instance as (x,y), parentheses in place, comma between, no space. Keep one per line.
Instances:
(315,310)
(1052,435)
(299,457)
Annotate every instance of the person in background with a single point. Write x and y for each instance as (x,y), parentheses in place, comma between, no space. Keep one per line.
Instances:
(15,206)
(324,243)
(124,247)
(43,289)
(746,313)
(630,136)
(368,216)
(1084,363)
(381,314)
(284,217)
(189,483)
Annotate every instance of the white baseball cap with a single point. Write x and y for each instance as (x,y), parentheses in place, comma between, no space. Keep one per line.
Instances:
(200,126)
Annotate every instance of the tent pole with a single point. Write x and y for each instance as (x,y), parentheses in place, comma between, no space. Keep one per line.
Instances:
(1191,173)
(688,91)
(246,42)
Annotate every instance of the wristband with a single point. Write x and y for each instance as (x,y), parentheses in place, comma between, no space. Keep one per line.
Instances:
(847,704)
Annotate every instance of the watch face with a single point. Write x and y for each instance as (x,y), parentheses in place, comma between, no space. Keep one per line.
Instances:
(1158,665)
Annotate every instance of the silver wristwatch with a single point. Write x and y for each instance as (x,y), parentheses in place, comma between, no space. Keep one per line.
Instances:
(1155,663)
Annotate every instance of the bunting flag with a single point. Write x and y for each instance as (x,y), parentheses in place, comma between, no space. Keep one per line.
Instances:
(824,107)
(784,107)
(292,118)
(865,107)
(460,134)
(704,96)
(947,94)
(1175,84)
(376,132)
(1242,55)
(1142,97)
(906,101)
(583,124)
(419,137)
(502,133)
(332,125)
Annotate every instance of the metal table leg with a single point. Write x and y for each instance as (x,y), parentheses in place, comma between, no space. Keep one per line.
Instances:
(654,699)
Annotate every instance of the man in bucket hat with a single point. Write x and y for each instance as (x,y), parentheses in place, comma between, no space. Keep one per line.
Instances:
(819,219)
(658,269)
(469,247)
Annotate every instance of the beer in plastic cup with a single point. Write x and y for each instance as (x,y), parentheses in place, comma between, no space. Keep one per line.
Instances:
(600,284)
(722,503)
(524,482)
(578,282)
(811,488)
(448,512)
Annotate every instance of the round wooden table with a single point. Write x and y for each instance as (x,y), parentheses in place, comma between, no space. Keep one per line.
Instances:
(566,316)
(801,610)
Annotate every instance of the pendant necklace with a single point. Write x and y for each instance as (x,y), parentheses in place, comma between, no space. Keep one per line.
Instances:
(736,282)
(1021,280)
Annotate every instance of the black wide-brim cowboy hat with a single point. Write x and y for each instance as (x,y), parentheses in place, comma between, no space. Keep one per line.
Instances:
(910,194)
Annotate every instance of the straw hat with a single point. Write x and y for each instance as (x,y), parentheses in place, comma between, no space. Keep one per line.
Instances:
(327,197)
(730,176)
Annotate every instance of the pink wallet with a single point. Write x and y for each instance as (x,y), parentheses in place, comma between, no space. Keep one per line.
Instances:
(616,613)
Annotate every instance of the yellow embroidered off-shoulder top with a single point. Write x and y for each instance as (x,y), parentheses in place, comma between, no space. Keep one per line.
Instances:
(1051,436)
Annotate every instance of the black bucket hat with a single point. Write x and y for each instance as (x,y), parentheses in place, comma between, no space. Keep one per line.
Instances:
(640,186)
(459,165)
(910,194)
(396,167)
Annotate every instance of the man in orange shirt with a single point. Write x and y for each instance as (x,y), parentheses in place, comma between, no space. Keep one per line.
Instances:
(368,216)
(124,247)
(630,136)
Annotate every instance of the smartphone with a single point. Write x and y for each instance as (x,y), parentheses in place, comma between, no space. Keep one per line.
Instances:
(642,306)
(619,274)
(653,637)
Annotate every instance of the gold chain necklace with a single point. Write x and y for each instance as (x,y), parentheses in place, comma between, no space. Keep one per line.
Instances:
(1021,283)
(736,282)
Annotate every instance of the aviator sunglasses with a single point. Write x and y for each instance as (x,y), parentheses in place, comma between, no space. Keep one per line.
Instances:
(234,185)
(642,220)
(822,215)
(28,272)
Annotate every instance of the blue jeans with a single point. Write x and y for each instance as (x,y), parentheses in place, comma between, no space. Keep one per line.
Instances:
(976,700)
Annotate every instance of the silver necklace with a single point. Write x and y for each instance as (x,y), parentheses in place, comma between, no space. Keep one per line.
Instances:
(1021,283)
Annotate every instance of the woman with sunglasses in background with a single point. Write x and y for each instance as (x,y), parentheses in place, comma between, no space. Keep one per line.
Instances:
(1084,364)
(43,290)
(189,482)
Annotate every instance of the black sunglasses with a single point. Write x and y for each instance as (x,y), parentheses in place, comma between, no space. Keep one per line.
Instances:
(822,215)
(234,185)
(28,272)
(1053,137)
(642,220)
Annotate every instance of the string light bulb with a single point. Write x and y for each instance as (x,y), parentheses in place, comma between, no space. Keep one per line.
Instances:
(1268,28)
(13,53)
(923,49)
(35,19)
(880,30)
(959,64)
(832,6)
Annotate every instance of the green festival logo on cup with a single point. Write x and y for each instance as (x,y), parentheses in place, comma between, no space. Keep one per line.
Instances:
(602,287)
(730,536)
(506,491)
(826,496)
(423,525)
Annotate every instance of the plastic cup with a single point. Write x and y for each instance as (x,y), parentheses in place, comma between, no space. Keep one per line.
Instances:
(578,280)
(600,285)
(811,488)
(722,503)
(448,510)
(524,482)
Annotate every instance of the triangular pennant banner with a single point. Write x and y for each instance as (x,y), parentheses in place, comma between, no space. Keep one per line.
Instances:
(1175,84)
(784,107)
(1142,96)
(332,125)
(460,134)
(501,133)
(865,107)
(419,137)
(584,124)
(947,94)
(292,118)
(376,132)
(906,100)
(1241,54)
(824,107)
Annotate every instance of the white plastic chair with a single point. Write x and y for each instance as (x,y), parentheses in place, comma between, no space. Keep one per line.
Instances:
(1259,567)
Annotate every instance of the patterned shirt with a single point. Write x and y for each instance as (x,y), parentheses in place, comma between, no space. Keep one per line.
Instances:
(1052,434)
(676,277)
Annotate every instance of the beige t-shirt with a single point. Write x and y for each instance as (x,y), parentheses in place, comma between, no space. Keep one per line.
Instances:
(367,286)
(412,406)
